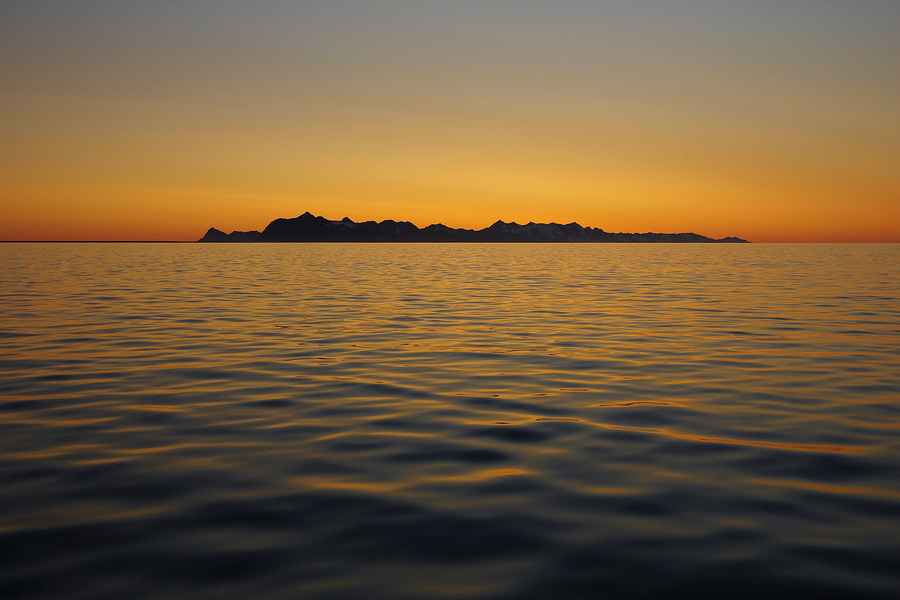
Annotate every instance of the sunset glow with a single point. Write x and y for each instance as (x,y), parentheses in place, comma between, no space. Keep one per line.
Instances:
(155,121)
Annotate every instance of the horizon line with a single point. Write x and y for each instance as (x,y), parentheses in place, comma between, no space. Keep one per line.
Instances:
(506,243)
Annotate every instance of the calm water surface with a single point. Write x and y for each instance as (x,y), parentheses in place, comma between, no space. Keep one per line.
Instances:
(402,421)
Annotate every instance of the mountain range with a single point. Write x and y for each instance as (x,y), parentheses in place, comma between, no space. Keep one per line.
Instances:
(310,228)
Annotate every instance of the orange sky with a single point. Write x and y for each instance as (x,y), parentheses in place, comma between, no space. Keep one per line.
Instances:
(155,121)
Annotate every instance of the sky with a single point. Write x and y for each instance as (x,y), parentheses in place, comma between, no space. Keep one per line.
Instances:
(135,120)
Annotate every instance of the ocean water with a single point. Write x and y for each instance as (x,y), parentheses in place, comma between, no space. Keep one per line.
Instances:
(449,421)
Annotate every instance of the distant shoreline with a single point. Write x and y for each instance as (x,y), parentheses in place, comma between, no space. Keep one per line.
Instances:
(311,228)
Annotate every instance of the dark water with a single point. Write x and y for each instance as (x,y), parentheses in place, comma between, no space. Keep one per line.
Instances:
(449,421)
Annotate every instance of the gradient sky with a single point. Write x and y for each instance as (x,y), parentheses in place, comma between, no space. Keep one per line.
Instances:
(138,120)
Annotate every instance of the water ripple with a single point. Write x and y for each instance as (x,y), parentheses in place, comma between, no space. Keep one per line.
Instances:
(480,421)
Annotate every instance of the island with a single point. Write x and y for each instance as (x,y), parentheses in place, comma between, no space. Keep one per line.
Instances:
(310,228)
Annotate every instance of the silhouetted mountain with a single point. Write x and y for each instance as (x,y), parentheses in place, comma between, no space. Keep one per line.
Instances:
(310,228)
(214,235)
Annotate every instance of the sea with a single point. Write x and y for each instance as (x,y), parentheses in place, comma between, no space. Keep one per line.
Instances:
(449,421)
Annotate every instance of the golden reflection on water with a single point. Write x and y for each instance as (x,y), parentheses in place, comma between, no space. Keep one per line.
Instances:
(832,489)
(515,421)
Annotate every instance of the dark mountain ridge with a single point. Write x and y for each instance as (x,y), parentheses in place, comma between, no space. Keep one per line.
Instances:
(310,228)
